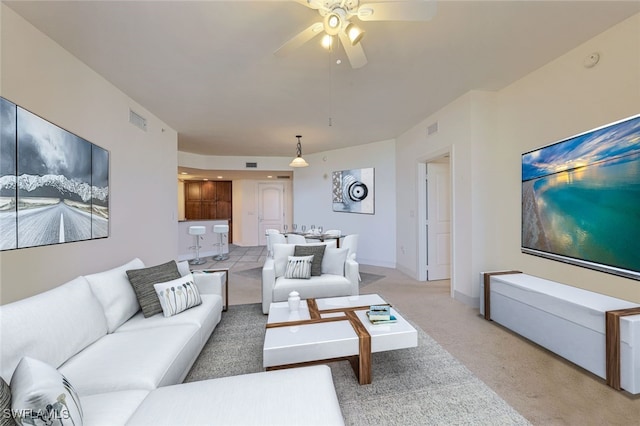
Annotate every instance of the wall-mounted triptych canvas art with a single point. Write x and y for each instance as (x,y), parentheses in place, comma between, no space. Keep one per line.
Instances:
(353,191)
(54,185)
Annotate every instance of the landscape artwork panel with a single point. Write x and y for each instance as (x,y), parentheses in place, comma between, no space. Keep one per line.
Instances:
(99,192)
(54,185)
(581,197)
(8,205)
(353,191)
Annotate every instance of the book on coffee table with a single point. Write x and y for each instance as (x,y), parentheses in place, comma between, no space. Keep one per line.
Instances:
(379,312)
(378,319)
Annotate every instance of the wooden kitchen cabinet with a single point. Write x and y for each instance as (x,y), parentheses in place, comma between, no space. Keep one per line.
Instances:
(206,200)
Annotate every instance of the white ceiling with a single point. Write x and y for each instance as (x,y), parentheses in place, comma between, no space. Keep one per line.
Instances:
(207,68)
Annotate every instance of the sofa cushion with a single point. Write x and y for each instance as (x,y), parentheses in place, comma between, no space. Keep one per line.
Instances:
(141,359)
(112,408)
(143,280)
(322,286)
(297,396)
(43,396)
(51,326)
(299,267)
(184,268)
(281,253)
(317,251)
(177,295)
(333,261)
(113,290)
(6,419)
(206,316)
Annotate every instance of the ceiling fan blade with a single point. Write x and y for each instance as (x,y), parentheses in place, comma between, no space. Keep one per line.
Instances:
(312,4)
(356,55)
(300,39)
(418,10)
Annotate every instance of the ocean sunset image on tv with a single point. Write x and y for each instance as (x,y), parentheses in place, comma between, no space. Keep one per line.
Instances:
(581,199)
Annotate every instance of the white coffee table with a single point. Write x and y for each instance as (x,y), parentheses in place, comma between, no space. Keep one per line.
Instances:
(332,329)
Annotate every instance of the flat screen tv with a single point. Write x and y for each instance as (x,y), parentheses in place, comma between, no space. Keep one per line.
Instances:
(581,199)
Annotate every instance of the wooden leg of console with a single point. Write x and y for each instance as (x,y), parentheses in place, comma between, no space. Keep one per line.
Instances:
(487,290)
(612,330)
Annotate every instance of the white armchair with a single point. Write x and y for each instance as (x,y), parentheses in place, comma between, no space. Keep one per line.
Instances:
(339,276)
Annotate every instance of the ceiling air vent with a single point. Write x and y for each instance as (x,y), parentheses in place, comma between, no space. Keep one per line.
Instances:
(432,129)
(137,120)
(284,177)
(251,165)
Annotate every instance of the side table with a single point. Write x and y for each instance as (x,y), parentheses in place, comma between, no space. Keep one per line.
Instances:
(226,283)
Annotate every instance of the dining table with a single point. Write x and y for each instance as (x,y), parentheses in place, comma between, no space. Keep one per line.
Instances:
(318,236)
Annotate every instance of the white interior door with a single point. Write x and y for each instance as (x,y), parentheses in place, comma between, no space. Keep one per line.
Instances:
(438,221)
(270,208)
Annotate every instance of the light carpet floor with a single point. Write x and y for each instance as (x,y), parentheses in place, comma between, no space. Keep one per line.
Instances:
(418,386)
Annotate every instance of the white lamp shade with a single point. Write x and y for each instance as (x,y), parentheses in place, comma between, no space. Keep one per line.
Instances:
(298,162)
(197,230)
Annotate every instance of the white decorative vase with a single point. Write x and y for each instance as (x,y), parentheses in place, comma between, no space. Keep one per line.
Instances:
(294,301)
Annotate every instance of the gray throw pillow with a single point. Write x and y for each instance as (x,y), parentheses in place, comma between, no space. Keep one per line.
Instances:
(6,419)
(317,251)
(142,281)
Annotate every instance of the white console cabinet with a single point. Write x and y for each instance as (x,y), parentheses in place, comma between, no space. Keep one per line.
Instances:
(570,322)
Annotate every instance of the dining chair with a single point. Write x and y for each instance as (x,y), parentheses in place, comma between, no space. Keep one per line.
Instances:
(274,238)
(269,233)
(296,239)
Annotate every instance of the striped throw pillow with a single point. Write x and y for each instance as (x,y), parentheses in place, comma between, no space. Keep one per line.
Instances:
(299,267)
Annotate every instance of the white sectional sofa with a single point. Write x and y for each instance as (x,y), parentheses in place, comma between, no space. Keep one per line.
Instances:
(128,369)
(339,275)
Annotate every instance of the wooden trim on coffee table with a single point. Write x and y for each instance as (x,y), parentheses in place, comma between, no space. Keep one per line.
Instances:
(612,337)
(487,290)
(363,366)
(314,313)
(360,363)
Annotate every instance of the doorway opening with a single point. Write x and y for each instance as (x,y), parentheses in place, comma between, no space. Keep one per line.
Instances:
(435,210)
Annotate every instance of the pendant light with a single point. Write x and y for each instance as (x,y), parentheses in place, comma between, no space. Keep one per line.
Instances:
(298,161)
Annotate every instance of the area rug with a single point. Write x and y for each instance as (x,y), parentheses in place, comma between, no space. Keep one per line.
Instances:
(419,386)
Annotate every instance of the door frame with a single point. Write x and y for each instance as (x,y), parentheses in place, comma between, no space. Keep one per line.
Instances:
(421,198)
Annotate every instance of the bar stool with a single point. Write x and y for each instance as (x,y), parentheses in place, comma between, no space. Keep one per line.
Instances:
(221,230)
(197,232)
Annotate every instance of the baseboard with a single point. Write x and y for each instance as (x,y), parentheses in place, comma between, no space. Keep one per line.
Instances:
(474,302)
(370,262)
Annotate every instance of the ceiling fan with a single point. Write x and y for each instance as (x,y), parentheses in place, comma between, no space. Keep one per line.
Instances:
(338,14)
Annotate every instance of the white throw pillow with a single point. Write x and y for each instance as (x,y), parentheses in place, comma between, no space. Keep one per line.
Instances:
(113,289)
(299,267)
(40,395)
(333,261)
(178,295)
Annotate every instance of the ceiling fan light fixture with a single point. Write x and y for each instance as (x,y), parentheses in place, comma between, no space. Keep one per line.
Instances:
(298,161)
(354,33)
(333,21)
(327,41)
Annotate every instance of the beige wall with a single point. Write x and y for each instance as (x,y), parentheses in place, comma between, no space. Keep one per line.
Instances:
(488,132)
(312,194)
(40,76)
(556,102)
